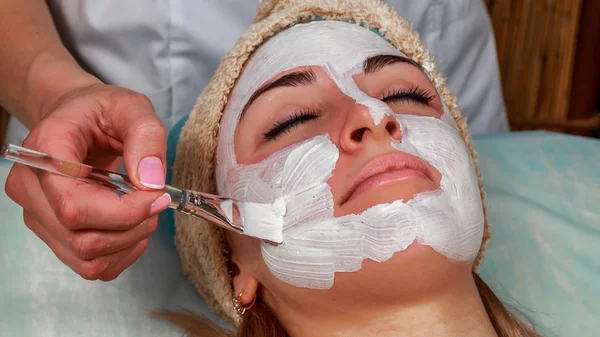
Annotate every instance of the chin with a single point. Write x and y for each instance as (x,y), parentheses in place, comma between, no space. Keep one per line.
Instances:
(386,194)
(410,275)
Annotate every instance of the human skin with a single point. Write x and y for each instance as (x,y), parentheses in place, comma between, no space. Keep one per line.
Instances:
(418,292)
(74,116)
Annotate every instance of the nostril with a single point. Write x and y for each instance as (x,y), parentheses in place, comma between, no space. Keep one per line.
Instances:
(358,134)
(393,129)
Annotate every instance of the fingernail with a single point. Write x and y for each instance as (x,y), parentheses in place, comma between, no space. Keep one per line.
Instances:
(160,204)
(152,173)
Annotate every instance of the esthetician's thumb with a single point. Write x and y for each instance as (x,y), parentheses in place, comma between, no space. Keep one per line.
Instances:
(144,146)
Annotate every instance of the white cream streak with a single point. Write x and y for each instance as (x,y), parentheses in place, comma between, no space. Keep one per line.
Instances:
(316,244)
(344,81)
(298,175)
(264,220)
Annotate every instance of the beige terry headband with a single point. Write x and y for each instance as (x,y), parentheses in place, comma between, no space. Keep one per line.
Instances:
(201,245)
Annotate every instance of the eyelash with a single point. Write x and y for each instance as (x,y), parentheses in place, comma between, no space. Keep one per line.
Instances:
(415,95)
(284,126)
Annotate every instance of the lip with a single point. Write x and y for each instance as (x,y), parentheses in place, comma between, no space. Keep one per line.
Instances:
(386,169)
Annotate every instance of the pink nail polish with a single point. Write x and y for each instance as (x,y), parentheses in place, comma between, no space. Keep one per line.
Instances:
(160,204)
(151,172)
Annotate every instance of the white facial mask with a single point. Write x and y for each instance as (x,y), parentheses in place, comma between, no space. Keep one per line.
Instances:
(317,244)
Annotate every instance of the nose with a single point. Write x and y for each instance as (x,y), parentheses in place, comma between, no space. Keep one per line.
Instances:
(360,129)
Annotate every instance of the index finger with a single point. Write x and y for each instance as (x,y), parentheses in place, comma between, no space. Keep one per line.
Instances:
(78,205)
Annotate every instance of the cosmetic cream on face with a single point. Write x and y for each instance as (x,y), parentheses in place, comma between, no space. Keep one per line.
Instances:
(317,244)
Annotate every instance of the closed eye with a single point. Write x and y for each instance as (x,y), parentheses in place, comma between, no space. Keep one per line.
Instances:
(414,95)
(286,125)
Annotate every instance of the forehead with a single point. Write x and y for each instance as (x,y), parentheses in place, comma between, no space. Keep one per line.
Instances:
(338,46)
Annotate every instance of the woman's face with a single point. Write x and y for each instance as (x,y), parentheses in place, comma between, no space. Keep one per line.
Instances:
(354,138)
(304,102)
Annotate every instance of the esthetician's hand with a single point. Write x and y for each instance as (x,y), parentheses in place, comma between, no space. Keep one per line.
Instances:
(94,231)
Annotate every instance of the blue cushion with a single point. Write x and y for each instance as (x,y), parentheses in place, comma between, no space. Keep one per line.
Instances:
(543,194)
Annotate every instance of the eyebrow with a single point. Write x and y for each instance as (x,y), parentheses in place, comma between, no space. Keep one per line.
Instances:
(308,77)
(376,63)
(295,79)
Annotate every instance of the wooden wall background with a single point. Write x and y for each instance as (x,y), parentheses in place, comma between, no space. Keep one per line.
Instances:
(3,125)
(537,44)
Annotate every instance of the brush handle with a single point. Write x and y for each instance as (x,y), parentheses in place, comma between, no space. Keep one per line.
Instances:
(202,205)
(223,212)
(82,172)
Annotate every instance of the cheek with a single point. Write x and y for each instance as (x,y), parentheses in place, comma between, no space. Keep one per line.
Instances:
(242,150)
(246,253)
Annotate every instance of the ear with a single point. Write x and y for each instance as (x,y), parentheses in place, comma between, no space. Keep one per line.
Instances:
(246,285)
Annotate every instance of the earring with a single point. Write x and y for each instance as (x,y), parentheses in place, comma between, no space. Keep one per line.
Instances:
(241,308)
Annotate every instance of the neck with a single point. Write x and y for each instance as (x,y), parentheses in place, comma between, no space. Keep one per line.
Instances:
(455,310)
